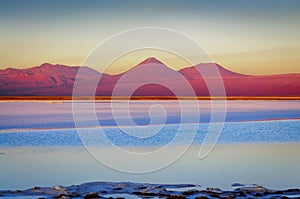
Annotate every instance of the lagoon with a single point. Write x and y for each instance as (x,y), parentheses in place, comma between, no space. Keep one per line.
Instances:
(260,143)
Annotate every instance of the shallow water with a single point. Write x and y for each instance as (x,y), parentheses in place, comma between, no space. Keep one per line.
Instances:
(272,165)
(260,143)
(276,131)
(20,115)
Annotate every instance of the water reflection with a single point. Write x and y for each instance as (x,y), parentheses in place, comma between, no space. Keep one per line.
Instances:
(271,165)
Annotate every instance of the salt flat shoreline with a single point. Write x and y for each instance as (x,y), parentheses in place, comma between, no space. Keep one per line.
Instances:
(90,98)
(141,190)
(15,130)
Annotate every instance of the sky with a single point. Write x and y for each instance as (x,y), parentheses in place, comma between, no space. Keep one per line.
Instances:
(251,37)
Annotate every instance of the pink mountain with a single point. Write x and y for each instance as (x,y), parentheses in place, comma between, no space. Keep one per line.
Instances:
(149,78)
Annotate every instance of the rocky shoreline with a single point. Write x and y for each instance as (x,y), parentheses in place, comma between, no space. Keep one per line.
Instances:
(144,190)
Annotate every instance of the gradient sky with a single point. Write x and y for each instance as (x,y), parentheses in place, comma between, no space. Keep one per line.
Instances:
(254,37)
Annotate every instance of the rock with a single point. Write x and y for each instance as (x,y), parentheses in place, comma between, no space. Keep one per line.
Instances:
(258,194)
(214,195)
(201,197)
(91,195)
(212,189)
(150,191)
(143,193)
(252,189)
(190,192)
(267,192)
(241,194)
(142,187)
(278,192)
(67,195)
(176,197)
(93,189)
(36,188)
(58,188)
(293,190)
(228,197)
(237,185)
(62,196)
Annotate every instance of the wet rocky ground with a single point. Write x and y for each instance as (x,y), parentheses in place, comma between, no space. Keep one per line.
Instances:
(144,190)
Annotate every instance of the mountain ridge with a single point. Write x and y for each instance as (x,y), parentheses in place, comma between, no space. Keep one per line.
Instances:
(58,79)
(200,64)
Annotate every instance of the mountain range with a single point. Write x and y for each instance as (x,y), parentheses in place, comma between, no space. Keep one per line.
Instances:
(149,78)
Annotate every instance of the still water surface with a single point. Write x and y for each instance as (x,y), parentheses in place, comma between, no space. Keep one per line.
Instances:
(260,143)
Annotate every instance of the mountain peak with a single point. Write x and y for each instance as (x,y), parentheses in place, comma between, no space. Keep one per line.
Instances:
(150,60)
(57,79)
(46,64)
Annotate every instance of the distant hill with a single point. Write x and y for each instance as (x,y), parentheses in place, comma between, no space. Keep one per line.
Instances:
(58,80)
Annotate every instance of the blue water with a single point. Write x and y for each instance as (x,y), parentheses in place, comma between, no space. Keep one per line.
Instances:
(52,124)
(260,143)
(234,132)
(24,115)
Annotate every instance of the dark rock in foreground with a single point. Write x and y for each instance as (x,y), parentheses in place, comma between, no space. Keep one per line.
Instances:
(145,190)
